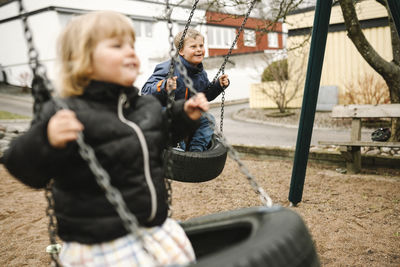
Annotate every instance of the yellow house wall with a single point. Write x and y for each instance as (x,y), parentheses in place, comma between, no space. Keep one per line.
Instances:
(258,99)
(342,62)
(368,9)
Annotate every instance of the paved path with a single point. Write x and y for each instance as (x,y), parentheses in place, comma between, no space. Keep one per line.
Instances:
(21,105)
(235,131)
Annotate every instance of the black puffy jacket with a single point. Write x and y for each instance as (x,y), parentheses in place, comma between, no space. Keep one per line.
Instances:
(82,210)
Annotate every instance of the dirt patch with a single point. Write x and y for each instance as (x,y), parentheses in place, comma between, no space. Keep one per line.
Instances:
(354,219)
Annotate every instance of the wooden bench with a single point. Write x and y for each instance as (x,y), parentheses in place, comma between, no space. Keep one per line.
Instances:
(350,150)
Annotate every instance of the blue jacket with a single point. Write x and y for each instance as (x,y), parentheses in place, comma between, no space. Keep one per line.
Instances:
(155,85)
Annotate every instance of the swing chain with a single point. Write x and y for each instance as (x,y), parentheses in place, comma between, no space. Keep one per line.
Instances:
(266,200)
(222,68)
(170,101)
(41,94)
(171,37)
(40,81)
(181,41)
(103,179)
(37,68)
(168,12)
(221,123)
(52,227)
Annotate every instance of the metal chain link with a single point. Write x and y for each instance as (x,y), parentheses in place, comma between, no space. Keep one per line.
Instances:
(266,200)
(221,122)
(170,101)
(171,37)
(181,41)
(40,95)
(52,227)
(112,194)
(222,68)
(171,93)
(38,70)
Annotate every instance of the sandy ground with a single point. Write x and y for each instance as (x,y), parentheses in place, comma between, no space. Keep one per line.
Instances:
(353,219)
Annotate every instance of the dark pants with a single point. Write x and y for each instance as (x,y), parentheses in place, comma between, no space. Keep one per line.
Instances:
(202,136)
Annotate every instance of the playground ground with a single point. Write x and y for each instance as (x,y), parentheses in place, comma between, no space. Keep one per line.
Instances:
(353,219)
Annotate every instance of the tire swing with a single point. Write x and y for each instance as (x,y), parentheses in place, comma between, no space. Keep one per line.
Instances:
(186,165)
(194,167)
(258,236)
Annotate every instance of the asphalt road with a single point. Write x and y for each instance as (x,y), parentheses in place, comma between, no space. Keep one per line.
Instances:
(21,105)
(236,132)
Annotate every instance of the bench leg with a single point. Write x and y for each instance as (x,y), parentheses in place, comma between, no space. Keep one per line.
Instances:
(352,155)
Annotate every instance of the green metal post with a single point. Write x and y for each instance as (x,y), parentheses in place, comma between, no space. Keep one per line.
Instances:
(394,6)
(313,77)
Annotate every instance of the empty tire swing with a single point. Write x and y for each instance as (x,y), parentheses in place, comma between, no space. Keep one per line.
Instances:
(254,237)
(194,167)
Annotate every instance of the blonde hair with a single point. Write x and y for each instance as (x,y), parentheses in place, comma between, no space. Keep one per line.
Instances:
(77,43)
(191,33)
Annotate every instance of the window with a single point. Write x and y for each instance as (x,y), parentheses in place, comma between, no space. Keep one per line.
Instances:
(273,39)
(220,37)
(143,28)
(249,38)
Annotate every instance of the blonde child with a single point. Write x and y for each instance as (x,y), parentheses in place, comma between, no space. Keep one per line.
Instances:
(191,55)
(98,68)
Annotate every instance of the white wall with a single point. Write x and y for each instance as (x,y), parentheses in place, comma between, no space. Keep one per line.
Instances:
(242,70)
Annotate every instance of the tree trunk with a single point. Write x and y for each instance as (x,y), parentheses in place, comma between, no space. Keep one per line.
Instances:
(395,129)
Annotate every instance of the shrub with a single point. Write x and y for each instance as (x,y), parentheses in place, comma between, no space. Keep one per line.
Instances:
(277,70)
(367,89)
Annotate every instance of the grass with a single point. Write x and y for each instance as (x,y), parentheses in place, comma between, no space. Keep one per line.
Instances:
(5,115)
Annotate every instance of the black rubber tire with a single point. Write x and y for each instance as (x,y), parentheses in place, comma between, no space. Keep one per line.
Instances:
(195,167)
(257,236)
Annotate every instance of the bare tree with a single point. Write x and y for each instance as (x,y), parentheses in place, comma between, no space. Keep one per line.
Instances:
(285,82)
(389,70)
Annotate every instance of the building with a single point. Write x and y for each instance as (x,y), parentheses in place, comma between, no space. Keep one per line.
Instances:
(343,65)
(222,29)
(48,17)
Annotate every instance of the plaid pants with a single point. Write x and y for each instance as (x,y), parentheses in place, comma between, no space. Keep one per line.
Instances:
(167,244)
